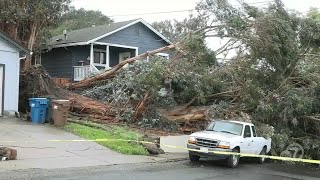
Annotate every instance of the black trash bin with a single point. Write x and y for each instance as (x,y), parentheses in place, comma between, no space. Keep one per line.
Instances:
(49,115)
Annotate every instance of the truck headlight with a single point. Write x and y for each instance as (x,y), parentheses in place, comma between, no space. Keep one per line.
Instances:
(192,140)
(224,145)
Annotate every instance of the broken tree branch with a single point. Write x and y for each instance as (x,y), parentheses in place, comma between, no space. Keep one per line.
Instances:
(109,74)
(209,96)
(314,118)
(140,107)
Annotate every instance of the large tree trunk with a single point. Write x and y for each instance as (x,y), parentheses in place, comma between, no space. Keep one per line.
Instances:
(31,41)
(109,74)
(36,82)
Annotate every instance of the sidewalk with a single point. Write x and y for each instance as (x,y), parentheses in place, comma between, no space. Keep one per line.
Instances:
(177,144)
(50,155)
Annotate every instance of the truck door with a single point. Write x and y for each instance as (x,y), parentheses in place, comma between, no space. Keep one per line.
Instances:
(257,144)
(247,141)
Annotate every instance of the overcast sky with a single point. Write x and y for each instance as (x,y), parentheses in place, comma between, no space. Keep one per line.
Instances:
(127,8)
(121,10)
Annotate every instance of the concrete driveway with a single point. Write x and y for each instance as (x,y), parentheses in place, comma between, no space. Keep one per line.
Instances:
(34,150)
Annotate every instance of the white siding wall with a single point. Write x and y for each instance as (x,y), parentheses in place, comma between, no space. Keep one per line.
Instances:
(9,56)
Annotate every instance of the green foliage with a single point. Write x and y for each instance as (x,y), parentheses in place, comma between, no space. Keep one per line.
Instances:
(167,82)
(167,29)
(196,47)
(310,30)
(27,21)
(311,147)
(274,78)
(131,85)
(177,30)
(184,31)
(159,122)
(280,141)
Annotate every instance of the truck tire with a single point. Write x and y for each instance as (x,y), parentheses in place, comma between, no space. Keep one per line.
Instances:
(193,158)
(262,160)
(233,160)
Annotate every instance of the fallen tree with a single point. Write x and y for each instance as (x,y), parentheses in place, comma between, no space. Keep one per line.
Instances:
(36,82)
(111,73)
(273,79)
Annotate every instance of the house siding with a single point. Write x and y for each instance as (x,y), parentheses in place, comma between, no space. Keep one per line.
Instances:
(58,62)
(9,56)
(137,35)
(80,53)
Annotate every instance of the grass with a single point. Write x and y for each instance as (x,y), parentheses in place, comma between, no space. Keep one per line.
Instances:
(115,132)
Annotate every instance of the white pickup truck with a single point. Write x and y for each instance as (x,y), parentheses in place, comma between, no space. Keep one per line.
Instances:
(228,136)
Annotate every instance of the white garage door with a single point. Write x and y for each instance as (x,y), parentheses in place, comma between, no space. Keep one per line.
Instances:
(1,88)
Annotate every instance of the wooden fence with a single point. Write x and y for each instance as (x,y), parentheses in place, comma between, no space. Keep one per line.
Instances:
(61,81)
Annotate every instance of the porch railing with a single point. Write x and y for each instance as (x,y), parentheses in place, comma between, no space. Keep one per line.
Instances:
(81,72)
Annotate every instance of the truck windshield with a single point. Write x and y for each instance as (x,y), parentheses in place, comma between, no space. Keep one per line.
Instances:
(226,127)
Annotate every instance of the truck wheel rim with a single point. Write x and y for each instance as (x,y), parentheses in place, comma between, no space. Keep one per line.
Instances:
(235,160)
(263,158)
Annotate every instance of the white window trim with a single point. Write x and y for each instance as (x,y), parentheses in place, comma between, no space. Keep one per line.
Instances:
(108,45)
(118,45)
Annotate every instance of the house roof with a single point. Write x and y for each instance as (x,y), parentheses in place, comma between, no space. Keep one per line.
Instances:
(14,42)
(92,34)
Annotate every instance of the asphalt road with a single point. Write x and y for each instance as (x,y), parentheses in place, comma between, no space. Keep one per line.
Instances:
(174,170)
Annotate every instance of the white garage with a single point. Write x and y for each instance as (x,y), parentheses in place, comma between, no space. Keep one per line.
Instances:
(10,53)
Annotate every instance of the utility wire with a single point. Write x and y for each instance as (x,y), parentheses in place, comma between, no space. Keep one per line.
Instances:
(167,12)
(262,3)
(163,12)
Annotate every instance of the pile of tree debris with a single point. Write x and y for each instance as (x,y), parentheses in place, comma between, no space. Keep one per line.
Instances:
(273,79)
(36,82)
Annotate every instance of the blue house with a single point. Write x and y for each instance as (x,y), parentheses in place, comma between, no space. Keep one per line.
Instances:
(77,54)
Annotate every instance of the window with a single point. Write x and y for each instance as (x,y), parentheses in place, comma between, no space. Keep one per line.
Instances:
(253,131)
(226,127)
(99,57)
(247,131)
(123,56)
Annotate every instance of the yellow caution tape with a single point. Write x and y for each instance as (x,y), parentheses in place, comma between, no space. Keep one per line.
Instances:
(252,155)
(178,147)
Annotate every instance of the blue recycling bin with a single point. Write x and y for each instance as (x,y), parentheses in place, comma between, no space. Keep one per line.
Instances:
(38,108)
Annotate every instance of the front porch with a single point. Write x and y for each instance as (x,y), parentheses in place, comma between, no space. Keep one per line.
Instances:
(102,56)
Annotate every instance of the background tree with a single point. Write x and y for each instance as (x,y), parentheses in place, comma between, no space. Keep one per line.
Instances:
(310,31)
(80,18)
(177,31)
(26,20)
